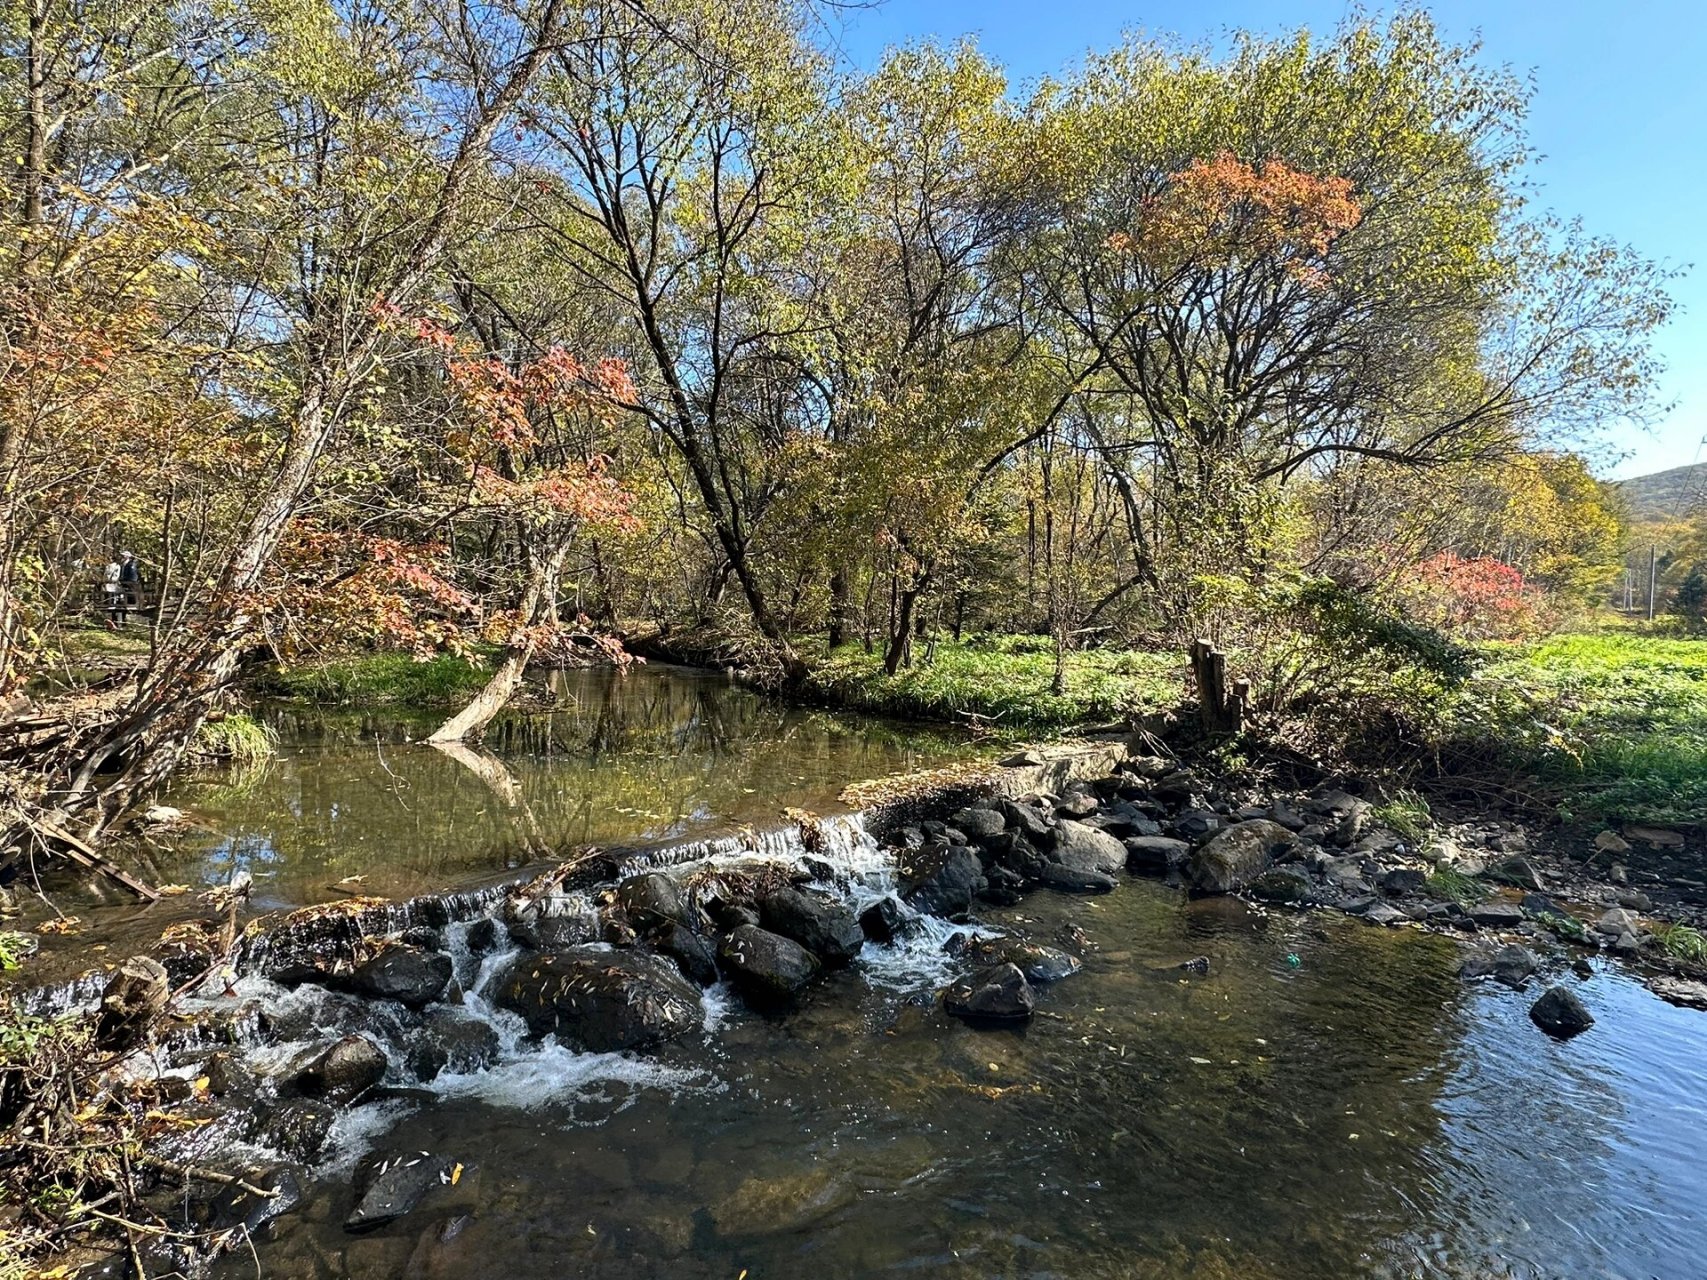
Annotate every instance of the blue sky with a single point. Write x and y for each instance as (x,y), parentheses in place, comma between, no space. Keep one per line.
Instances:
(1619,117)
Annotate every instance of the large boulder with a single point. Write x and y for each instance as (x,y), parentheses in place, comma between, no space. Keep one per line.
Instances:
(653,901)
(1155,853)
(600,1000)
(1124,821)
(1231,859)
(942,880)
(822,925)
(883,920)
(694,955)
(408,975)
(1560,1014)
(766,965)
(1027,819)
(999,994)
(978,823)
(391,1187)
(339,1073)
(1086,849)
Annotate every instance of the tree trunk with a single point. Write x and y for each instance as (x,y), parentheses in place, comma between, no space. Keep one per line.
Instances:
(840,604)
(541,589)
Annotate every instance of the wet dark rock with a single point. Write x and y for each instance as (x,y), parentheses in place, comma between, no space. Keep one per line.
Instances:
(1520,873)
(555,932)
(1003,887)
(407,974)
(1285,885)
(766,965)
(339,1073)
(653,901)
(1497,915)
(1178,785)
(822,925)
(1023,818)
(1155,853)
(134,997)
(1539,904)
(1086,849)
(999,994)
(1233,858)
(694,955)
(483,936)
(979,823)
(1197,825)
(1037,962)
(236,1206)
(395,1185)
(1560,1014)
(227,1077)
(1077,804)
(883,920)
(424,936)
(822,870)
(457,1045)
(1286,816)
(1055,875)
(1383,913)
(1403,880)
(1617,923)
(294,1127)
(1583,969)
(599,1000)
(943,880)
(1124,821)
(1511,965)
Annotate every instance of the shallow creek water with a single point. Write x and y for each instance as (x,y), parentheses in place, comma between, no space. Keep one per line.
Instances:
(1327,1101)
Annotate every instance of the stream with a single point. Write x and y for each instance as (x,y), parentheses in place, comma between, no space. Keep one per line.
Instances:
(1327,1100)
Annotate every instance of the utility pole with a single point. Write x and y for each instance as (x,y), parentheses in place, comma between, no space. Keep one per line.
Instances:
(1652,577)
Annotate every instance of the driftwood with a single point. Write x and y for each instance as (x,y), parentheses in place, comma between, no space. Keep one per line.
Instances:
(135,996)
(1221,706)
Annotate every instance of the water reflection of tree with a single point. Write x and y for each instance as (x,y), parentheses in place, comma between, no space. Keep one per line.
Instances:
(620,760)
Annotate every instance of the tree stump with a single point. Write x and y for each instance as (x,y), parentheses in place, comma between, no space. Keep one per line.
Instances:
(1220,706)
(136,994)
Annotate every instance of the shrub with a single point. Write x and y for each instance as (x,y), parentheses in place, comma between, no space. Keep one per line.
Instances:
(1472,598)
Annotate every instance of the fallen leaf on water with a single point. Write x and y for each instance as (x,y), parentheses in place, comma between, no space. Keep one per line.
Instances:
(456,1175)
(1204,1062)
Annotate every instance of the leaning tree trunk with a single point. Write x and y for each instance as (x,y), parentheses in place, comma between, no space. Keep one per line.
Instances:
(536,607)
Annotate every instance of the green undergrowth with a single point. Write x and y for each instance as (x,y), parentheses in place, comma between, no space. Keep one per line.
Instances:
(1004,683)
(1465,890)
(376,679)
(1613,725)
(1681,942)
(237,739)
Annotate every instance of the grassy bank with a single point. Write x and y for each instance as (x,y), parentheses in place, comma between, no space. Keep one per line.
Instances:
(1004,682)
(1616,723)
(376,679)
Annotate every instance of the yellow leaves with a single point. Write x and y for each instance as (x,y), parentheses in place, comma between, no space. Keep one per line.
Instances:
(64,925)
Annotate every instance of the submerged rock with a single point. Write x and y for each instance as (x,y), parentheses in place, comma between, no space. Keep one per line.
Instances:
(296,1127)
(235,1206)
(454,1044)
(1511,965)
(822,925)
(1231,859)
(1281,885)
(999,994)
(396,1185)
(600,1000)
(409,975)
(766,965)
(1560,1014)
(1037,962)
(1067,879)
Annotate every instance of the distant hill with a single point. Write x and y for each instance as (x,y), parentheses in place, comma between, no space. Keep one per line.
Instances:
(1680,492)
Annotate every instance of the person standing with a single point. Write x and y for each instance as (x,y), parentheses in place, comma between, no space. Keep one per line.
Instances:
(130,583)
(113,589)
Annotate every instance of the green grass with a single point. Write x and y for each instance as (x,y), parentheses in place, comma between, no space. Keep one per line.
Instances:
(237,739)
(1004,681)
(1457,887)
(1569,928)
(1681,942)
(1616,722)
(1407,813)
(378,679)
